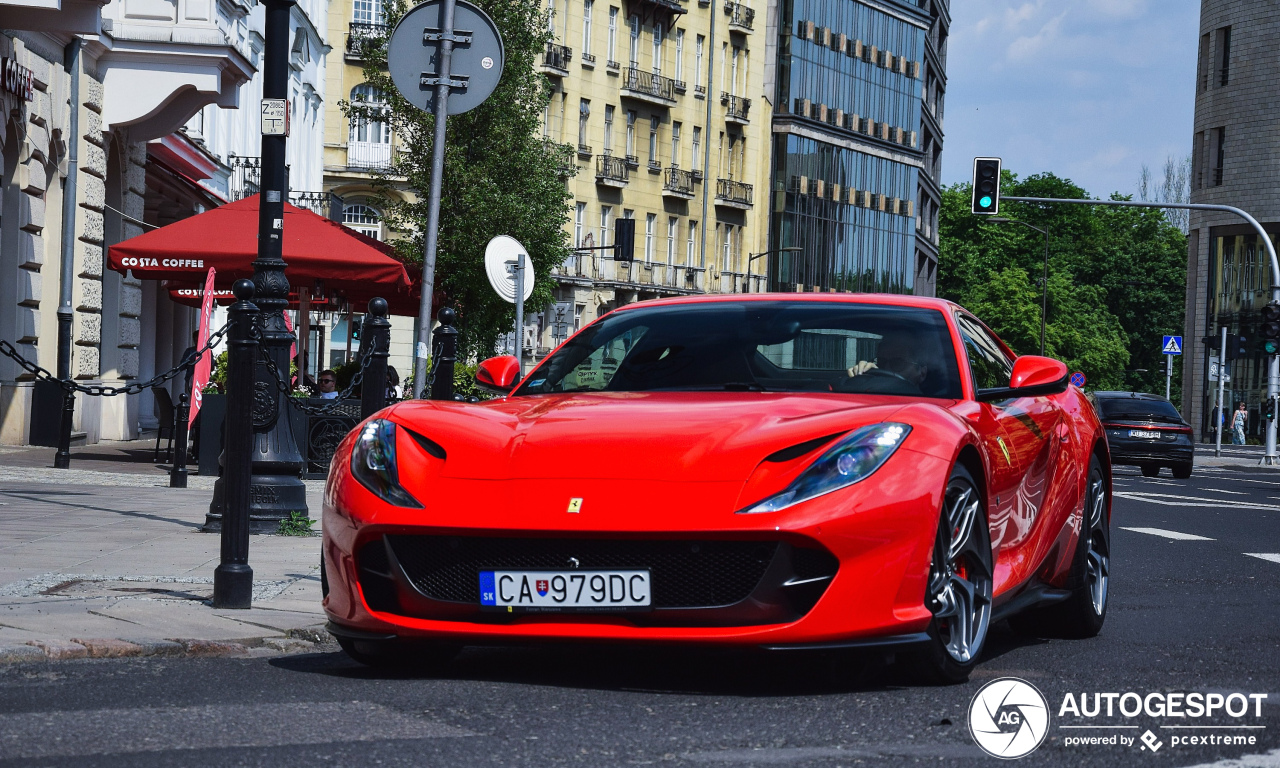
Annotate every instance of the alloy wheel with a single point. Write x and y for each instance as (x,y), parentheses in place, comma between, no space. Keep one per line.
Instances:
(960,582)
(1098,558)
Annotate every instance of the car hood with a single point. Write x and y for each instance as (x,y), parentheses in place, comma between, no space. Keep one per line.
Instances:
(671,436)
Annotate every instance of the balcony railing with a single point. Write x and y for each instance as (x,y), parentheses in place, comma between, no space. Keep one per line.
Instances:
(374,155)
(633,162)
(740,16)
(325,204)
(556,58)
(737,108)
(360,34)
(649,86)
(733,193)
(611,171)
(246,177)
(678,183)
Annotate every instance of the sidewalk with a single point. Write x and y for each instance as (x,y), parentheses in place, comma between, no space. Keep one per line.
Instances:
(112,563)
(1245,458)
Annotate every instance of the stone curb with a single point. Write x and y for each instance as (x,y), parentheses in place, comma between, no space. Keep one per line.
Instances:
(293,641)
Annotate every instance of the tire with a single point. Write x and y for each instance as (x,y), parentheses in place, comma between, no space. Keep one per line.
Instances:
(1182,471)
(960,586)
(400,655)
(1148,471)
(1083,614)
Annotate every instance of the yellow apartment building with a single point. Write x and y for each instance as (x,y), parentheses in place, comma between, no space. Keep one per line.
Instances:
(664,102)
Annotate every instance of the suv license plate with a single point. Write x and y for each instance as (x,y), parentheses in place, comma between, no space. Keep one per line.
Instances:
(1144,434)
(565,590)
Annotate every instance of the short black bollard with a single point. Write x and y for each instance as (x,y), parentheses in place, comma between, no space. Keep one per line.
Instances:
(62,459)
(178,472)
(233,579)
(445,344)
(377,334)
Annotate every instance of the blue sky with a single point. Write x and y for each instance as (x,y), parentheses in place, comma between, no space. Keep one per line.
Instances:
(1088,89)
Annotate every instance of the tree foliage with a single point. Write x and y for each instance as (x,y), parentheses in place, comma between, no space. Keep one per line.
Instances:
(1116,284)
(501,177)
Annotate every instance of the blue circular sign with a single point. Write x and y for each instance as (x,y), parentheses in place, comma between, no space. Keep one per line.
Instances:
(1077,379)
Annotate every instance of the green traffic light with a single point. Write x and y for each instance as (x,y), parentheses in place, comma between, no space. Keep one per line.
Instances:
(985,201)
(1271,347)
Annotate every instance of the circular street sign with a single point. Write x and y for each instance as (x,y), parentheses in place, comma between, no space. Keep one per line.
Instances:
(1077,378)
(413,60)
(499,260)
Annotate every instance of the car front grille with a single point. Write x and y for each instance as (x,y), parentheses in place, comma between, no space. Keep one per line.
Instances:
(685,573)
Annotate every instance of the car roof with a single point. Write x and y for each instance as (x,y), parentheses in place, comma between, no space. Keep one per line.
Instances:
(1130,395)
(892,299)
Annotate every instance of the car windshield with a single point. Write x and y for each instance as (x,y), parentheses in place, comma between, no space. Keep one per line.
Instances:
(1140,409)
(758,346)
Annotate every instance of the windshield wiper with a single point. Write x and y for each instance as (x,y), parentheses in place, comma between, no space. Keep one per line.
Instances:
(744,386)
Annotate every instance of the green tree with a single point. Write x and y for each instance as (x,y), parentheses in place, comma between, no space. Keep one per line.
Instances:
(501,177)
(1116,278)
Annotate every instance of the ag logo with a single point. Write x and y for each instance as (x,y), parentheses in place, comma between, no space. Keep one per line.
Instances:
(1008,718)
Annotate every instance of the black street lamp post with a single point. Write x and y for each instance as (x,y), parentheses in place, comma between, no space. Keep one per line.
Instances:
(276,489)
(1044,285)
(751,258)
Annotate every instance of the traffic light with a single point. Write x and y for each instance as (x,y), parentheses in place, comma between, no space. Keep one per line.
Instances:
(1237,346)
(1269,409)
(1269,330)
(624,239)
(986,185)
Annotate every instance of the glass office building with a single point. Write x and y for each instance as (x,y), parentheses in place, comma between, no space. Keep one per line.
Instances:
(858,88)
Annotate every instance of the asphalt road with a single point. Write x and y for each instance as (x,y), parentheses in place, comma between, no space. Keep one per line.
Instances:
(1195,575)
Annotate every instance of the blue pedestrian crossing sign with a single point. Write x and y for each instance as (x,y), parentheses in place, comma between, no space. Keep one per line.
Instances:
(1172,345)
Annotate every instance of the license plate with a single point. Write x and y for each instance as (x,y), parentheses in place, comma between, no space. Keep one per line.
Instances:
(1144,434)
(565,590)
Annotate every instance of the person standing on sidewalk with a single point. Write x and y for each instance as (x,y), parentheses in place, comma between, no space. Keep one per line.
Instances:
(1239,421)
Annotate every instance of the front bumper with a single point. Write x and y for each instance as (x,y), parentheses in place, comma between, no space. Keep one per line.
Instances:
(846,569)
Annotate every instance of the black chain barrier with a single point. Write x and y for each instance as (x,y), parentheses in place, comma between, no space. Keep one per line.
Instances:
(101,390)
(286,387)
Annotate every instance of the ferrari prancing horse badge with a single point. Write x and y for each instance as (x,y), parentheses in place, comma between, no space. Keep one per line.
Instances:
(575,506)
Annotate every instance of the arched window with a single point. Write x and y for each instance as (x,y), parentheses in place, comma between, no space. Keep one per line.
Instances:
(370,141)
(363,218)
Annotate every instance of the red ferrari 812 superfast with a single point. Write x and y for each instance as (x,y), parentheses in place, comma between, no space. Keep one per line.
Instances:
(770,470)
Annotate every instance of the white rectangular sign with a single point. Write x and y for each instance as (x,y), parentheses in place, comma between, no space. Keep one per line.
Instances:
(275,117)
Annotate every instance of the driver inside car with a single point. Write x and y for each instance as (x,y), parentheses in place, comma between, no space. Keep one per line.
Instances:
(899,355)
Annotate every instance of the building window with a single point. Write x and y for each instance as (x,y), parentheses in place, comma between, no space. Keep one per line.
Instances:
(1203,66)
(650,223)
(364,219)
(369,144)
(1220,154)
(551,16)
(613,34)
(608,128)
(697,59)
(726,254)
(634,21)
(368,12)
(586,26)
(631,133)
(653,142)
(697,149)
(1197,160)
(673,226)
(579,222)
(679,54)
(733,73)
(691,246)
(606,225)
(675,145)
(657,48)
(584,115)
(1224,55)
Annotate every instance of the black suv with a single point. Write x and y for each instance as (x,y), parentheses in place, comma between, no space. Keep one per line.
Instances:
(1146,431)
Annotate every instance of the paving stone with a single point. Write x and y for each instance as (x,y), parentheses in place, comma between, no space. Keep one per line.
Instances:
(10,654)
(60,650)
(108,648)
(157,647)
(196,647)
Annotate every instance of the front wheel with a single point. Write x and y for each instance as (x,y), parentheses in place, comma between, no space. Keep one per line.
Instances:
(960,585)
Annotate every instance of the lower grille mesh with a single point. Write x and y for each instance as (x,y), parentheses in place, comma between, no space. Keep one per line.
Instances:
(685,574)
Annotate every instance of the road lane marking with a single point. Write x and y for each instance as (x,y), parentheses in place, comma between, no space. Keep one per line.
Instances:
(1168,534)
(1172,500)
(1221,490)
(1264,556)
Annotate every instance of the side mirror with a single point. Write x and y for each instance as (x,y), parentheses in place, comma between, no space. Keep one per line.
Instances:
(498,374)
(1033,376)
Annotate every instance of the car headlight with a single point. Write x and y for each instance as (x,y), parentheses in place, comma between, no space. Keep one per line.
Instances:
(854,458)
(373,463)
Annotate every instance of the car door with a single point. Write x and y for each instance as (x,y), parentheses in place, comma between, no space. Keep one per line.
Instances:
(1023,442)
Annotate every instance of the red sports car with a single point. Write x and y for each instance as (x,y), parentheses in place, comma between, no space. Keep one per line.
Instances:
(777,471)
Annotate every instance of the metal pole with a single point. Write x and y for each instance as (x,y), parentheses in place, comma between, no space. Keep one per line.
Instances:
(1168,377)
(67,270)
(1044,292)
(178,472)
(1273,376)
(520,312)
(233,578)
(433,198)
(377,332)
(1222,375)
